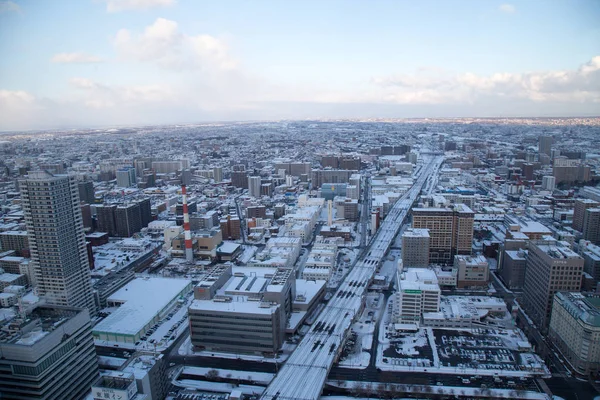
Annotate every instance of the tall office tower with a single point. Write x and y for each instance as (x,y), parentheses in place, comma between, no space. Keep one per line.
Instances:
(128,219)
(49,354)
(254,184)
(218,174)
(86,192)
(145,212)
(579,212)
(551,267)
(105,217)
(545,144)
(450,231)
(548,183)
(56,238)
(415,248)
(591,225)
(527,171)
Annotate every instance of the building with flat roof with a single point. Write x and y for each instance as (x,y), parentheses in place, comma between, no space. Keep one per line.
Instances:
(15,240)
(472,271)
(140,304)
(591,225)
(415,248)
(579,208)
(418,293)
(48,354)
(575,330)
(239,312)
(450,231)
(513,268)
(551,268)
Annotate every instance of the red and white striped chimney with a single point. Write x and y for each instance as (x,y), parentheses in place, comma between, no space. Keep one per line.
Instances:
(189,254)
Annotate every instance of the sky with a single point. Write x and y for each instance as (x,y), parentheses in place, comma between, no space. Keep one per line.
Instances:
(95,63)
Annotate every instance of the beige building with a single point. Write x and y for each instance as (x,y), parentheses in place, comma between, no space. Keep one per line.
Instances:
(450,231)
(551,267)
(472,271)
(575,330)
(415,248)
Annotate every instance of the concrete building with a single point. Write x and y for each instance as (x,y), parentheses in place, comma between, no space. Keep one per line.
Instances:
(551,268)
(418,292)
(346,208)
(579,208)
(319,177)
(239,179)
(254,186)
(230,227)
(105,217)
(241,313)
(591,225)
(48,355)
(126,177)
(86,192)
(575,330)
(472,271)
(218,174)
(415,248)
(591,259)
(139,304)
(548,183)
(450,231)
(513,268)
(57,241)
(545,144)
(15,240)
(128,219)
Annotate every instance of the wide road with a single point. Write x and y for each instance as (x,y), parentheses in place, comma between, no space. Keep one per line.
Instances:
(303,375)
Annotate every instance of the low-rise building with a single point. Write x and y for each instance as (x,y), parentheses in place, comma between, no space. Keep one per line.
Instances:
(472,271)
(418,292)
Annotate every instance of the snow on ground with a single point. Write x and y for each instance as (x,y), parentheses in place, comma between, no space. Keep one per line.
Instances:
(439,389)
(356,361)
(106,361)
(247,254)
(219,387)
(257,377)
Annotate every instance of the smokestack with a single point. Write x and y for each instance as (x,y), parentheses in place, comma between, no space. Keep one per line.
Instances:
(189,255)
(329,212)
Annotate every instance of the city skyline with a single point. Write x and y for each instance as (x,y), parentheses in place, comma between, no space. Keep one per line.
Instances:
(126,62)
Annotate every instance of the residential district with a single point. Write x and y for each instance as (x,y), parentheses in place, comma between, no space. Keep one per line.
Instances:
(302,260)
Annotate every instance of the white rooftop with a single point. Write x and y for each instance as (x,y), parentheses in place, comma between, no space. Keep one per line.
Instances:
(143,299)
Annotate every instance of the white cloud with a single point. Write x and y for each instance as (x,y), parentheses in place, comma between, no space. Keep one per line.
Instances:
(162,43)
(582,84)
(75,58)
(9,6)
(97,95)
(125,5)
(507,8)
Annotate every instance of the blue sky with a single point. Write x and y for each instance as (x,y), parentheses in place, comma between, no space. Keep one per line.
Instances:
(113,62)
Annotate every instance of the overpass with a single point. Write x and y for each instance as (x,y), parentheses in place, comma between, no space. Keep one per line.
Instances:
(303,375)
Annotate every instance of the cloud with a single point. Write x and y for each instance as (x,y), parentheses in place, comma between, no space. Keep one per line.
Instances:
(75,58)
(125,5)
(97,95)
(9,6)
(507,8)
(578,85)
(162,43)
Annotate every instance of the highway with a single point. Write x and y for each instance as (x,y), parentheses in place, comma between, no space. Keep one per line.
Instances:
(303,375)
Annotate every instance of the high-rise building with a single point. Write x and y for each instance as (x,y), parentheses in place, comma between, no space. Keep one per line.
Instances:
(145,212)
(239,179)
(126,177)
(105,217)
(230,227)
(591,225)
(415,248)
(57,240)
(128,219)
(50,354)
(545,144)
(254,184)
(551,267)
(86,192)
(218,174)
(548,183)
(579,211)
(450,231)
